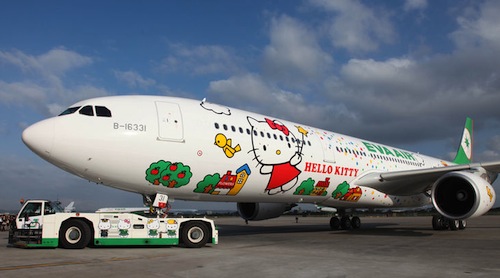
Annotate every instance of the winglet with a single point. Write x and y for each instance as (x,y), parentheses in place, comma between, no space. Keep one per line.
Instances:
(464,153)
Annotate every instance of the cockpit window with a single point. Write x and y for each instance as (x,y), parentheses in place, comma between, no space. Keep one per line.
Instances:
(70,110)
(87,110)
(102,111)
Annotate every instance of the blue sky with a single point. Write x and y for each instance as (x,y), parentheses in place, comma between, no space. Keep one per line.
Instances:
(404,73)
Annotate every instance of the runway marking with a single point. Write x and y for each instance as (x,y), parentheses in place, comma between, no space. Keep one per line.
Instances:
(116,259)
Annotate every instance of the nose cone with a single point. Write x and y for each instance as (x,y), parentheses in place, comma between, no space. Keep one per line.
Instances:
(39,138)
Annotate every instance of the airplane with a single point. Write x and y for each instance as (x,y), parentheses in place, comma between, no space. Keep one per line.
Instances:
(70,207)
(200,151)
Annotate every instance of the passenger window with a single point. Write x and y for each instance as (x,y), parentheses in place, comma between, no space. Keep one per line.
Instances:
(87,110)
(102,111)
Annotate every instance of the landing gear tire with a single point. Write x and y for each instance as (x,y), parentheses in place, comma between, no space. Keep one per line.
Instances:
(74,234)
(441,223)
(345,223)
(334,223)
(194,234)
(454,224)
(462,224)
(355,222)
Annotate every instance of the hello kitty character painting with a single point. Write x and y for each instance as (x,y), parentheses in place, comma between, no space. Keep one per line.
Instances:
(278,151)
(123,227)
(104,226)
(153,225)
(172,228)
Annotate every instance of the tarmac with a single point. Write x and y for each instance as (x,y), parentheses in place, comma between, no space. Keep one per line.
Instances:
(383,247)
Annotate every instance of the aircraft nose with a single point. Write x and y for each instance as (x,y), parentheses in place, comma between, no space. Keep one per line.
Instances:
(39,137)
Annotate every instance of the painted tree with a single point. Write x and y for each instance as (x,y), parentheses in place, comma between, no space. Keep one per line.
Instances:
(305,188)
(176,175)
(341,190)
(153,173)
(169,174)
(207,185)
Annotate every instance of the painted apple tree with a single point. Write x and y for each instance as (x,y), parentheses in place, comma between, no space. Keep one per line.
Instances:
(166,173)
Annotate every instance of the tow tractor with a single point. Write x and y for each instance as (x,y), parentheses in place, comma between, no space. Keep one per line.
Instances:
(42,223)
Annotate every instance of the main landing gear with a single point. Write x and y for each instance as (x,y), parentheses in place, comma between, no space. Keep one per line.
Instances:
(344,222)
(442,223)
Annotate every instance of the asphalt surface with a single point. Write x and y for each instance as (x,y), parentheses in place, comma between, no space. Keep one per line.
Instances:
(383,247)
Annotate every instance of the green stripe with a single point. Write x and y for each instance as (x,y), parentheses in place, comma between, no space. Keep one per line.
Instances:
(135,241)
(46,243)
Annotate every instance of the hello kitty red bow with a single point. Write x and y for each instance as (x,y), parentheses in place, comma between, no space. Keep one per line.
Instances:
(277,126)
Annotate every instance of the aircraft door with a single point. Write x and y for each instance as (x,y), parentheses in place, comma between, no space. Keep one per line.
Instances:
(328,145)
(169,122)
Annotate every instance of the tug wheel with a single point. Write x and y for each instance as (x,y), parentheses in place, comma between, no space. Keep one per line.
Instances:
(74,234)
(194,234)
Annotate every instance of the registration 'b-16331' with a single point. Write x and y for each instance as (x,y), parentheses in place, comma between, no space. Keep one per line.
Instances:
(196,150)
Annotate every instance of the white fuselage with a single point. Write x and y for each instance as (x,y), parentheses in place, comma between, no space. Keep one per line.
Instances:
(192,150)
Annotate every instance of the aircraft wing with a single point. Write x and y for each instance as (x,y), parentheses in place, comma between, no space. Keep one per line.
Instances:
(416,181)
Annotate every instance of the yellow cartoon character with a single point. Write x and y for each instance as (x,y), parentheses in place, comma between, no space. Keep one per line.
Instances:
(225,144)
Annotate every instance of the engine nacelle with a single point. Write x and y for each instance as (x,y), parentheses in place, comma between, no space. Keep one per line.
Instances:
(461,195)
(262,211)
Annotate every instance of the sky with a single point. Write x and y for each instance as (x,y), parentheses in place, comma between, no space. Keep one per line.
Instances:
(403,73)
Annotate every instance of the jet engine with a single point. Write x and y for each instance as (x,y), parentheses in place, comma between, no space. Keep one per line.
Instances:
(262,211)
(461,195)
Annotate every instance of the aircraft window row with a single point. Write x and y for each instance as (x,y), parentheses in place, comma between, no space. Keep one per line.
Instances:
(261,133)
(347,150)
(88,110)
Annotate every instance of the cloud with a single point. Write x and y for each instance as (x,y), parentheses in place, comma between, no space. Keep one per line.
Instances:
(59,61)
(253,93)
(426,97)
(354,26)
(370,71)
(54,63)
(21,93)
(431,95)
(411,5)
(43,84)
(397,100)
(479,26)
(492,151)
(200,60)
(134,79)
(293,55)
